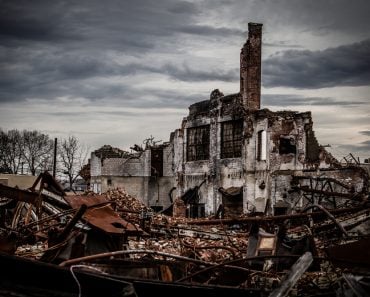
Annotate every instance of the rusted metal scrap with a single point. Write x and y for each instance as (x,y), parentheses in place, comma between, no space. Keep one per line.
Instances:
(18,194)
(200,252)
(102,216)
(272,219)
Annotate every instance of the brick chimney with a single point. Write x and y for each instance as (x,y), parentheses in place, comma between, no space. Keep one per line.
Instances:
(250,68)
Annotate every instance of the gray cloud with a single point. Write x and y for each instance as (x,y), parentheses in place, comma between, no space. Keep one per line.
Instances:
(186,73)
(52,49)
(183,7)
(281,44)
(40,21)
(318,17)
(362,149)
(126,26)
(367,133)
(28,29)
(298,100)
(54,73)
(130,25)
(366,143)
(347,65)
(208,30)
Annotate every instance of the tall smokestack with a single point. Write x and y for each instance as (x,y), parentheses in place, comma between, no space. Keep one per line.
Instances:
(250,68)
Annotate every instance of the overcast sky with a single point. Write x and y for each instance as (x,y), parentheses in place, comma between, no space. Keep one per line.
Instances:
(117,72)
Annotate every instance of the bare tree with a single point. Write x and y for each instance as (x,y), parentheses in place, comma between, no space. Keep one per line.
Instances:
(72,155)
(11,151)
(15,150)
(38,150)
(4,166)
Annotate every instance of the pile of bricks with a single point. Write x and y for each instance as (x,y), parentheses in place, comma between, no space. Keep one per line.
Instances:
(124,201)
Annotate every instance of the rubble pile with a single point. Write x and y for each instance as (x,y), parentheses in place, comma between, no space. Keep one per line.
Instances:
(211,250)
(125,202)
(164,220)
(133,210)
(34,251)
(215,251)
(326,248)
(169,246)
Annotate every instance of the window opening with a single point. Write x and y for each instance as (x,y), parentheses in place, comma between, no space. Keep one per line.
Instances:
(231,139)
(198,143)
(261,145)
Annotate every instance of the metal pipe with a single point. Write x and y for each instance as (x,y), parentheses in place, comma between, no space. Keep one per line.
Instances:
(72,223)
(118,253)
(323,209)
(270,218)
(208,247)
(243,259)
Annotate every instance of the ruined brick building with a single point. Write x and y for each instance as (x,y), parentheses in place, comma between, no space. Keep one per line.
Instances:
(232,155)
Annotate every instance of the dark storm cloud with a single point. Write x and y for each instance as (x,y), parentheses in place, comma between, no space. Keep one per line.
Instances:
(155,98)
(127,96)
(328,16)
(53,73)
(50,49)
(27,29)
(297,100)
(208,30)
(183,8)
(317,17)
(347,65)
(168,98)
(49,72)
(367,133)
(186,73)
(124,23)
(281,44)
(129,24)
(27,21)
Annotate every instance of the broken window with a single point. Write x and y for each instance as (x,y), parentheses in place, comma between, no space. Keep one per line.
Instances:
(196,210)
(157,162)
(287,145)
(197,143)
(109,182)
(261,145)
(231,139)
(232,200)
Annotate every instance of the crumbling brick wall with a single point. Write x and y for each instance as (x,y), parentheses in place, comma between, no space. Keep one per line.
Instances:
(133,173)
(250,67)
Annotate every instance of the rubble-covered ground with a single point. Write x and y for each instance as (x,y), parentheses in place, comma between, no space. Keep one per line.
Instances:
(245,252)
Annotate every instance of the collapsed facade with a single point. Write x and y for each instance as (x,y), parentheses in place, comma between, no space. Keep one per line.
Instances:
(232,157)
